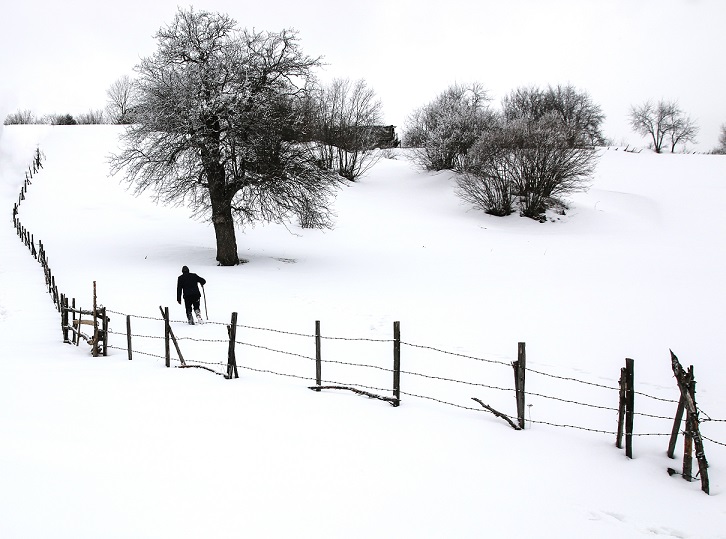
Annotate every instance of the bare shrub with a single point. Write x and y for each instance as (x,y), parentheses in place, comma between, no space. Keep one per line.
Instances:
(527,161)
(21,117)
(92,117)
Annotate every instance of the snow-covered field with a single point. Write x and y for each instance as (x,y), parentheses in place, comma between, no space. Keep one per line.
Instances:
(104,447)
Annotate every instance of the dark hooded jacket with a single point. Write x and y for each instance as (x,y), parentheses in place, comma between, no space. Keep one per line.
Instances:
(187,283)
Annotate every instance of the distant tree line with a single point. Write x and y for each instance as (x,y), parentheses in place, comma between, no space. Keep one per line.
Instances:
(24,117)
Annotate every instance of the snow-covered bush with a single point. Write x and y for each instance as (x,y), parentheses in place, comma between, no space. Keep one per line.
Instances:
(444,130)
(530,162)
(579,118)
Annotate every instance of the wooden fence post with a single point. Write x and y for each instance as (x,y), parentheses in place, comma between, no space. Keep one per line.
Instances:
(687,387)
(231,358)
(629,405)
(318,356)
(128,335)
(167,330)
(94,348)
(520,366)
(64,319)
(397,363)
(104,322)
(76,338)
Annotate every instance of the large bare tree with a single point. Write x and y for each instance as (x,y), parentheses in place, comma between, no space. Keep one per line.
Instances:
(217,118)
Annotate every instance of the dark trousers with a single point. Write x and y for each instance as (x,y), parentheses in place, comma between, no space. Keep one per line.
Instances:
(191,303)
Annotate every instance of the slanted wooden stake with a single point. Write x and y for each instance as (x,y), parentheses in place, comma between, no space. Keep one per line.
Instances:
(170,333)
(621,410)
(687,387)
(128,335)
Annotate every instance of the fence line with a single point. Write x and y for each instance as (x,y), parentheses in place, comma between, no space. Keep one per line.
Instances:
(62,304)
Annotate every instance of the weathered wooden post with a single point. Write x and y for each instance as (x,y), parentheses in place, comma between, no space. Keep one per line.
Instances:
(629,406)
(318,356)
(128,335)
(167,331)
(520,366)
(104,322)
(687,387)
(679,418)
(94,348)
(64,319)
(231,358)
(397,363)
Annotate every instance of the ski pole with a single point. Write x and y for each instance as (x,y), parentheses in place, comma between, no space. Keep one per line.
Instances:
(205,303)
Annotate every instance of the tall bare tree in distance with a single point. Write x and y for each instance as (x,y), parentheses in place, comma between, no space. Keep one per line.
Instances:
(661,120)
(217,123)
(120,100)
(347,119)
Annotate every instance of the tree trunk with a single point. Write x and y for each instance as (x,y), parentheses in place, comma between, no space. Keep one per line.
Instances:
(222,219)
(224,231)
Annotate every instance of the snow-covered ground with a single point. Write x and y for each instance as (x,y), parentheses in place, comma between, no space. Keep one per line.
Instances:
(104,447)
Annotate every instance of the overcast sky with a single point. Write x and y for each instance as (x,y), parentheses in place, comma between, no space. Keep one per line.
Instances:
(58,57)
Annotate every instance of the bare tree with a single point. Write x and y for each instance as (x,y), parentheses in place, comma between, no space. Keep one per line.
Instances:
(661,120)
(347,121)
(20,117)
(217,125)
(120,100)
(445,129)
(682,130)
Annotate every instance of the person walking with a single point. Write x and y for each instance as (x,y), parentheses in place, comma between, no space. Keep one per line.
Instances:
(187,283)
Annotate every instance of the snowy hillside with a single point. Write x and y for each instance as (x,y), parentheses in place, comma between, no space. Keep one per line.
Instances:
(104,447)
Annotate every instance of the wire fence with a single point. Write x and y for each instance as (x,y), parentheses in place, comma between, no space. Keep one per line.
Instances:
(437,387)
(440,376)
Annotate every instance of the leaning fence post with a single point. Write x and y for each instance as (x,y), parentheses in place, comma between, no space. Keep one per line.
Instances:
(676,427)
(128,334)
(397,363)
(621,409)
(231,358)
(629,404)
(318,356)
(167,330)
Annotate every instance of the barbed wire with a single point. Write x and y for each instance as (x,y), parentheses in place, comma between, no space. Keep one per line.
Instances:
(571,379)
(655,398)
(432,377)
(713,441)
(494,361)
